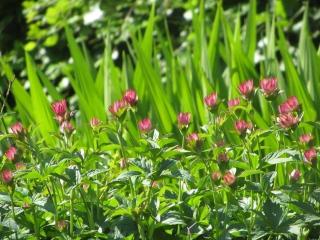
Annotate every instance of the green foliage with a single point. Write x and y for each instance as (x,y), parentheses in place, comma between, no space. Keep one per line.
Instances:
(103,174)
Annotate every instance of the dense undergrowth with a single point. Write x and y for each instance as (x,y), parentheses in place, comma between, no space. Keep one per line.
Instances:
(207,143)
(156,187)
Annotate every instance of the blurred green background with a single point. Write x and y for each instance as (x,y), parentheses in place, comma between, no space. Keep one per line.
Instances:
(37,26)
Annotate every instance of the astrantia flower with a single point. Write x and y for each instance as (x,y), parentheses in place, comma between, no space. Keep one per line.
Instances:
(229,178)
(290,105)
(194,140)
(306,138)
(95,122)
(61,225)
(17,128)
(118,107)
(246,89)
(223,157)
(184,119)
(6,176)
(154,184)
(20,166)
(67,127)
(11,153)
(145,125)
(295,175)
(310,156)
(123,163)
(215,176)
(211,100)
(60,109)
(233,102)
(131,97)
(220,143)
(242,126)
(269,87)
(288,120)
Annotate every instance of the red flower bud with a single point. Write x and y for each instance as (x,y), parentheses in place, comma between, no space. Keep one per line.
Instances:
(310,156)
(290,105)
(131,97)
(269,87)
(6,176)
(220,143)
(288,120)
(145,125)
(233,102)
(223,157)
(246,89)
(215,176)
(11,153)
(242,126)
(95,122)
(229,178)
(118,107)
(123,163)
(211,100)
(305,138)
(17,128)
(295,175)
(61,225)
(60,109)
(184,119)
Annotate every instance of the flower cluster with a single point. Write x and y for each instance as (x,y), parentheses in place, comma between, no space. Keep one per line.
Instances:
(119,107)
(12,154)
(288,113)
(62,115)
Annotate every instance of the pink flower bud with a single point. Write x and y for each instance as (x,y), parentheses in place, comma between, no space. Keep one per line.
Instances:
(269,87)
(290,105)
(20,166)
(242,126)
(118,107)
(246,89)
(310,156)
(155,184)
(85,187)
(25,205)
(233,102)
(6,176)
(145,125)
(11,153)
(288,120)
(60,109)
(215,176)
(229,178)
(17,128)
(131,97)
(223,157)
(123,163)
(194,140)
(211,100)
(184,119)
(95,122)
(305,138)
(66,127)
(295,175)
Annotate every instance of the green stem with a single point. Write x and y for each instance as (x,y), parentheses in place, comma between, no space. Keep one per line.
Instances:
(71,213)
(13,213)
